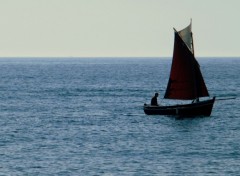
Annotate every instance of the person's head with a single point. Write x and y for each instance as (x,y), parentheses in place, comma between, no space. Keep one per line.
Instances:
(156,94)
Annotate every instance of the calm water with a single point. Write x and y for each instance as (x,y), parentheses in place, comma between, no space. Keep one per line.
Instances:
(84,117)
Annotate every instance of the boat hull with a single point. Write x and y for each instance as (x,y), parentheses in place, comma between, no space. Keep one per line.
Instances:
(202,108)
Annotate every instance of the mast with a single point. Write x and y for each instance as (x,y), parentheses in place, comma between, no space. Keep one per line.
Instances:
(192,44)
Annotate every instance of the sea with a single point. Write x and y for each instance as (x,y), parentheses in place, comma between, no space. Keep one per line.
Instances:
(84,117)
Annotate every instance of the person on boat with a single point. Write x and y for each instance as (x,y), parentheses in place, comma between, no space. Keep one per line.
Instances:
(154,101)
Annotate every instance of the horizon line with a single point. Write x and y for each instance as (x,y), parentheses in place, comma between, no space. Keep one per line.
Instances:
(112,57)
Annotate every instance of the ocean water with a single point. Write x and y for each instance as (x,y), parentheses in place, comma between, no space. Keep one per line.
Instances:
(84,116)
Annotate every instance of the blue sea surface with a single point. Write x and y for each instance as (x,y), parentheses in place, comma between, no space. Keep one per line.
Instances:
(84,116)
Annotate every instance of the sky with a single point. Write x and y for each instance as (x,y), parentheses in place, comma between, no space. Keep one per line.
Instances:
(116,28)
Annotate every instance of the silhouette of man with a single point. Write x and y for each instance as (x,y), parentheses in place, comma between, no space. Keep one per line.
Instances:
(154,101)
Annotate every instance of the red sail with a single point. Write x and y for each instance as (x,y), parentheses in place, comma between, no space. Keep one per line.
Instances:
(186,81)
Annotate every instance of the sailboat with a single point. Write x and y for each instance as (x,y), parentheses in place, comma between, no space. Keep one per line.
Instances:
(185,82)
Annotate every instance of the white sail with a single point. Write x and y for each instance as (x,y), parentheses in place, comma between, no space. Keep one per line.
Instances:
(186,35)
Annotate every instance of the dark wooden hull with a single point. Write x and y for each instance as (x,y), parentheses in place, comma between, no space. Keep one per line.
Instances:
(202,108)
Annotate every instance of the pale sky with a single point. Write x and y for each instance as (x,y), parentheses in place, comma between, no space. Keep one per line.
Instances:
(118,28)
